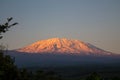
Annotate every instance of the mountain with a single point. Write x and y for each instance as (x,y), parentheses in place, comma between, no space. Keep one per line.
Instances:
(62,52)
(63,46)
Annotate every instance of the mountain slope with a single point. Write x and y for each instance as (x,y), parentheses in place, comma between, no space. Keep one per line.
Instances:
(63,46)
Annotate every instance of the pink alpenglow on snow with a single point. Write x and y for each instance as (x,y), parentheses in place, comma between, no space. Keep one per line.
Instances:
(63,46)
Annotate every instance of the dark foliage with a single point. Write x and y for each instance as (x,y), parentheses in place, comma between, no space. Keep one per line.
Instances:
(8,71)
(4,27)
(94,76)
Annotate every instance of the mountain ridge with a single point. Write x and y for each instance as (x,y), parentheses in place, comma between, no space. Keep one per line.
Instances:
(63,46)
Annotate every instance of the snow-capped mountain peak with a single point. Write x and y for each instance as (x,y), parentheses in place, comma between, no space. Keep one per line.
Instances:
(63,45)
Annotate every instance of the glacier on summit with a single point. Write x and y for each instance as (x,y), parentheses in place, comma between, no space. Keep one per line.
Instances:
(63,46)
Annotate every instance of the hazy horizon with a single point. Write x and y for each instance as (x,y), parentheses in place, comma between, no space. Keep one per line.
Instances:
(93,21)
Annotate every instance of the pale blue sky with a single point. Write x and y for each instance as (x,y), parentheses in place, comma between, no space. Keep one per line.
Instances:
(93,21)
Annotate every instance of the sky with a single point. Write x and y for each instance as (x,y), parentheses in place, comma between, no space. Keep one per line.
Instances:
(93,21)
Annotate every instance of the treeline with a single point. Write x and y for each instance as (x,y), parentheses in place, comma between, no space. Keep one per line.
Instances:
(9,71)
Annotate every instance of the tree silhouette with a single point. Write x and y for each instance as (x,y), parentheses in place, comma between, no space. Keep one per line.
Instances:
(8,71)
(5,27)
(94,76)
